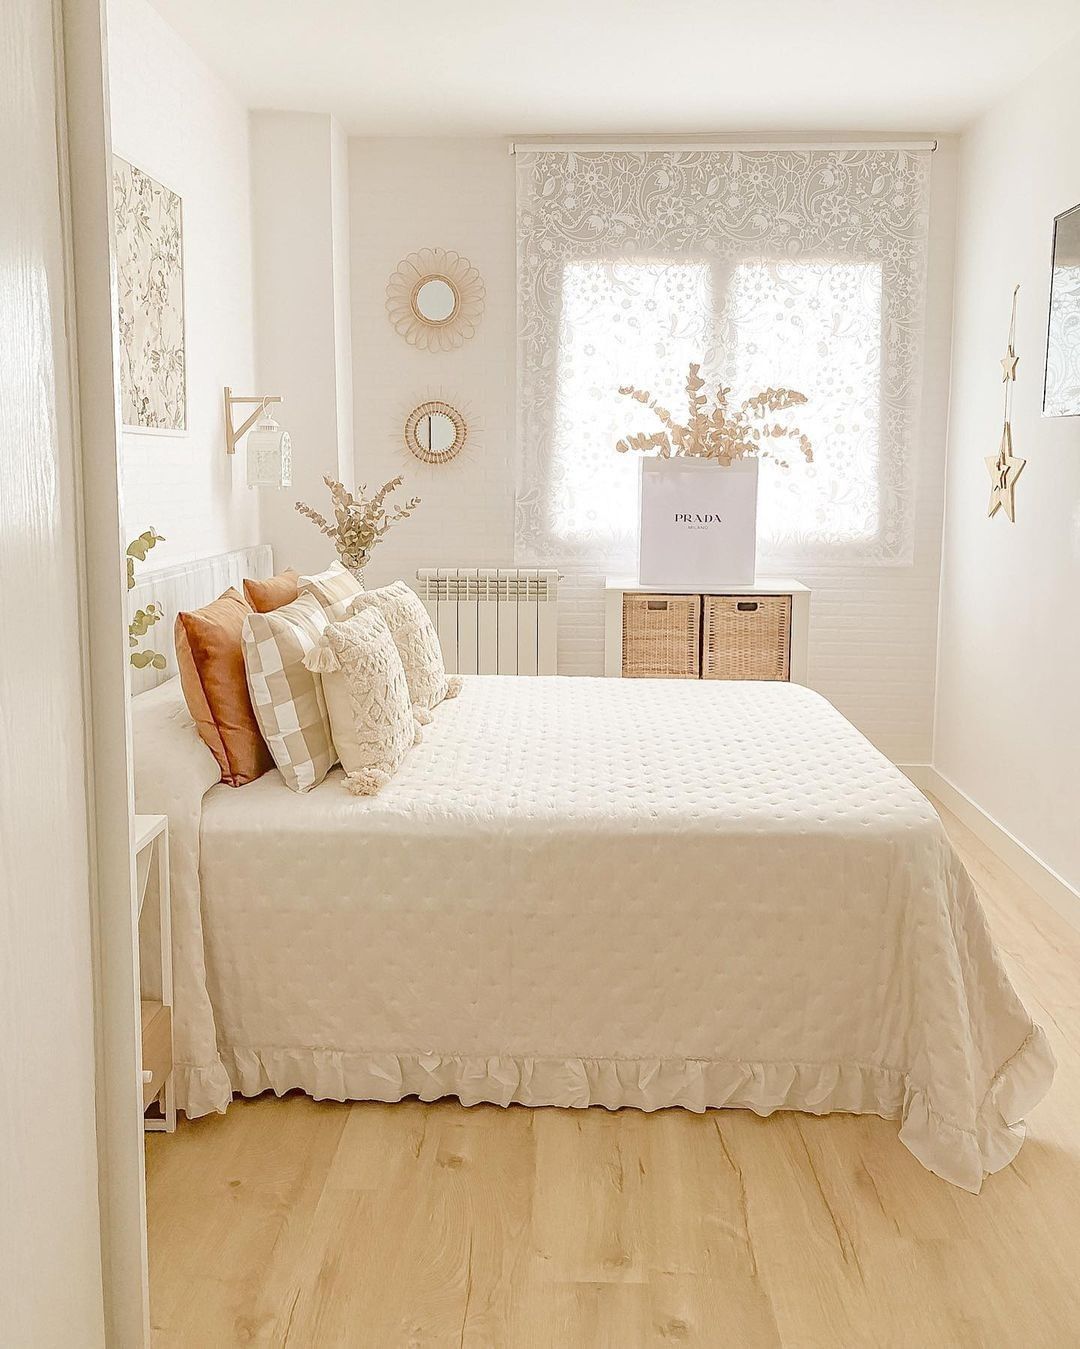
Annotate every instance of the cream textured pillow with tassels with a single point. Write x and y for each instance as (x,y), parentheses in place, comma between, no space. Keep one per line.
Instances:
(416,640)
(288,699)
(367,694)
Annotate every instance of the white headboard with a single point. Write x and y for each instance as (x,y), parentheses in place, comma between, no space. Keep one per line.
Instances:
(189,585)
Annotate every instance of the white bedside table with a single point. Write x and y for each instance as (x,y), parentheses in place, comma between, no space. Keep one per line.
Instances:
(795,633)
(154,927)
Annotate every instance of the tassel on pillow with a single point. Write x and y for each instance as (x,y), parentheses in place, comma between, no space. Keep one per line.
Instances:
(366,783)
(322,659)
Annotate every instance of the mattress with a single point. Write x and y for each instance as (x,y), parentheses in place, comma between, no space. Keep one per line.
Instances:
(622,893)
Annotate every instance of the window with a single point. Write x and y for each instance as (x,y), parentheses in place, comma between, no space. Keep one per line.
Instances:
(772,266)
(815,327)
(640,323)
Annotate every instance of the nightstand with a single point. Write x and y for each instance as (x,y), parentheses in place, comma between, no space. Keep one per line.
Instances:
(757,631)
(154,925)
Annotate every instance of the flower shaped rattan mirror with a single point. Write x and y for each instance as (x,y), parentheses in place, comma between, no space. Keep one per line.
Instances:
(435,299)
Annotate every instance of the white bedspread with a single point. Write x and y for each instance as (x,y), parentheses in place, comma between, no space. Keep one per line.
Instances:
(615,892)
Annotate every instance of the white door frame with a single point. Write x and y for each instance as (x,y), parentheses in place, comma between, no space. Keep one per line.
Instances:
(84,135)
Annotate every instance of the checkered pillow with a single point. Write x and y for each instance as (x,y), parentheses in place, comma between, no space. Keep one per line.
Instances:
(288,699)
(334,588)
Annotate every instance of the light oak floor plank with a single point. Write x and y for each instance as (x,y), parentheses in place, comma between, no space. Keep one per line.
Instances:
(292,1222)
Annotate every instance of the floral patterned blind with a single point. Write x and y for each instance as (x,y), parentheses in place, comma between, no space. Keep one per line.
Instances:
(801,268)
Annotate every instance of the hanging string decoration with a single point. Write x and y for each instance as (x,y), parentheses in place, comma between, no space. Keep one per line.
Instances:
(1005,467)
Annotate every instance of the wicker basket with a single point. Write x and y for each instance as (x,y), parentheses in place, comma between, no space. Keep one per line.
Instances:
(661,637)
(746,637)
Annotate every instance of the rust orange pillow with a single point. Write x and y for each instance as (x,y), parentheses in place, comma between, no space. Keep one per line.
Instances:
(266,596)
(210,657)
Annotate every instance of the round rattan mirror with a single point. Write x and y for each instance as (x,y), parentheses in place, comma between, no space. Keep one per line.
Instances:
(435,432)
(435,299)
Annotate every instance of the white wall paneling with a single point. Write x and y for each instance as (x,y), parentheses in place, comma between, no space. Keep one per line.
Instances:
(1008,716)
(186,586)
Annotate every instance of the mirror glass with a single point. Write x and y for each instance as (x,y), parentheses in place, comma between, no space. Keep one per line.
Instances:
(436,300)
(435,432)
(1061,392)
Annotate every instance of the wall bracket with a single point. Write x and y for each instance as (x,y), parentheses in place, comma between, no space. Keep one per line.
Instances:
(233,434)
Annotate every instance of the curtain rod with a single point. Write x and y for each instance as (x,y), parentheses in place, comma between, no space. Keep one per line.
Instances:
(586,147)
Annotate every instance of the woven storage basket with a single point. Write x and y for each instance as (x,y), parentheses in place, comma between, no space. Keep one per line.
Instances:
(661,637)
(746,637)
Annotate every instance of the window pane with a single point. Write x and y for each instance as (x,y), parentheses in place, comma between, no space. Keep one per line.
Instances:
(632,323)
(814,327)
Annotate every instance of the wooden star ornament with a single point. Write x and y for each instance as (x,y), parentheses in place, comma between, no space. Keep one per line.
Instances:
(1004,469)
(1009,362)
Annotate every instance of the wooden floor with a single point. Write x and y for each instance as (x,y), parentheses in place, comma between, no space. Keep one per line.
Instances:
(295,1223)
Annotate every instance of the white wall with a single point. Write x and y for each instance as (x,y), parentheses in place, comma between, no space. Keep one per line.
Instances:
(302,306)
(873,630)
(1008,707)
(454,194)
(172,117)
(50,1261)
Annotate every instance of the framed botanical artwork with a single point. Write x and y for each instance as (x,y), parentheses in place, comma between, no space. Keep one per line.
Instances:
(148,221)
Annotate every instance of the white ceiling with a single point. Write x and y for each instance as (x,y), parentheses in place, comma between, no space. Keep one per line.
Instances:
(502,67)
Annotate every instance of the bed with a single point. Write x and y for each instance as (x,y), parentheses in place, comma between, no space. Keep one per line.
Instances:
(586,892)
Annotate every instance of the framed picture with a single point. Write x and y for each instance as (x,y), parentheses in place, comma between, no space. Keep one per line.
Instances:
(1061,391)
(148,220)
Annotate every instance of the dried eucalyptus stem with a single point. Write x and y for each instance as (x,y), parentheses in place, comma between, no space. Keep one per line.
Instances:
(723,434)
(143,619)
(359,521)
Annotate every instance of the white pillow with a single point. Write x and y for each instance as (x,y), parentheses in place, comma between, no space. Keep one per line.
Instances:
(288,699)
(335,589)
(367,696)
(416,640)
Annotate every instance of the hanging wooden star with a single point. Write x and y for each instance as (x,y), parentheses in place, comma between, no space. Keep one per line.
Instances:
(1004,469)
(1009,363)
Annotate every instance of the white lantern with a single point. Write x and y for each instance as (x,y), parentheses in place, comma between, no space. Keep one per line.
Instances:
(269,454)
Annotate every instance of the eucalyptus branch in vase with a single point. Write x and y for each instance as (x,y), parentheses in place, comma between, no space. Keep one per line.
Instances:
(722,433)
(143,619)
(360,522)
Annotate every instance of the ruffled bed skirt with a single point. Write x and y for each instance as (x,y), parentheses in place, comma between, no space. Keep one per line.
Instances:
(957,1154)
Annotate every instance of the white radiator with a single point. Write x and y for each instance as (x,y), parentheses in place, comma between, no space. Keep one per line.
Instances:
(500,621)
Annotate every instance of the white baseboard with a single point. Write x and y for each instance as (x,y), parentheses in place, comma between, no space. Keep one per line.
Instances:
(1046,882)
(918,773)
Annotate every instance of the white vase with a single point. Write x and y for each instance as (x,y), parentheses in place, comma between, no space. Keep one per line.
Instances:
(698,523)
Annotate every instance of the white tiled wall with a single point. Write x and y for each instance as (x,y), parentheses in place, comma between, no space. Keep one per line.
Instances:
(873,630)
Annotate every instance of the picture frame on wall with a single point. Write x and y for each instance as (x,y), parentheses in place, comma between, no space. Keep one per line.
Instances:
(1061,387)
(149,230)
